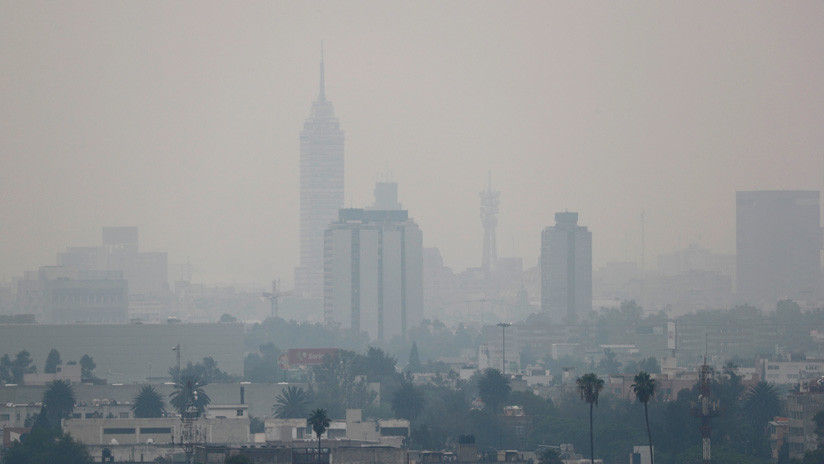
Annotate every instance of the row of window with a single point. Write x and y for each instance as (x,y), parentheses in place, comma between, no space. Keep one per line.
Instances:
(131,430)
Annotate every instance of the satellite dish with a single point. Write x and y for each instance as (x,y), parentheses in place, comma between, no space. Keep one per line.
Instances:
(113,442)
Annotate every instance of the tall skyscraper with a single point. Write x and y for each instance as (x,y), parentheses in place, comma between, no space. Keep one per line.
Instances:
(566,268)
(373,280)
(778,247)
(489,220)
(321,189)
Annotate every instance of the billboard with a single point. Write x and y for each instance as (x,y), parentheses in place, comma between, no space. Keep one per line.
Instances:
(305,357)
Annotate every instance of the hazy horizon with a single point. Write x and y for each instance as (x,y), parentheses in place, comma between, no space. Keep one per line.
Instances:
(183,118)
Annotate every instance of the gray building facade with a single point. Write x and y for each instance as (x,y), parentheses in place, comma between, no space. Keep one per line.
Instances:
(373,279)
(778,247)
(566,269)
(127,353)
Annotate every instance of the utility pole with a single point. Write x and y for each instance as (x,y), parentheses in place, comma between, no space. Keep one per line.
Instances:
(176,349)
(503,326)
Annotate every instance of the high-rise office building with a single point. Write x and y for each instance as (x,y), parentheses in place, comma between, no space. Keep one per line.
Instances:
(778,247)
(321,189)
(373,279)
(566,268)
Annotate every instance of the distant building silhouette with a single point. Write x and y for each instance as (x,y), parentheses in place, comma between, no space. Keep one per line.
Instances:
(373,279)
(778,246)
(321,189)
(489,220)
(566,268)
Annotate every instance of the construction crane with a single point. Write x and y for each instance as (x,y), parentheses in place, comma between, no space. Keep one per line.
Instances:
(274,297)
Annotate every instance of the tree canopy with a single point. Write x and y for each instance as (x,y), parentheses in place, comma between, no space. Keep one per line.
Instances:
(148,403)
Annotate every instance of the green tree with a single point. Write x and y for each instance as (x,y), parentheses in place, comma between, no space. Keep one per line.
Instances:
(319,422)
(414,365)
(22,364)
(644,388)
(189,397)
(493,388)
(650,365)
(761,404)
(549,456)
(291,403)
(52,361)
(589,388)
(47,446)
(226,317)
(263,367)
(87,366)
(407,401)
(148,403)
(340,386)
(609,364)
(58,402)
(6,369)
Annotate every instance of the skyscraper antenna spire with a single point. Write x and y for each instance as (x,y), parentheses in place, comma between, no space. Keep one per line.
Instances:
(322,94)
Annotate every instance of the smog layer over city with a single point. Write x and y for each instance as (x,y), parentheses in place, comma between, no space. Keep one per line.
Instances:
(411,232)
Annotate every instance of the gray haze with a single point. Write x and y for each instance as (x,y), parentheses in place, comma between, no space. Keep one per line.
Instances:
(182,118)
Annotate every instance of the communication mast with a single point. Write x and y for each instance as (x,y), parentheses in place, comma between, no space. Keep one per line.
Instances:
(706,409)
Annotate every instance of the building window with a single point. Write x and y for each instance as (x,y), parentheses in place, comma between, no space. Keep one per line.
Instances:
(118,431)
(164,430)
(239,413)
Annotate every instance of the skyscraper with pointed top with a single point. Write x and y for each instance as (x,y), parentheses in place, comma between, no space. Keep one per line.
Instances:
(321,189)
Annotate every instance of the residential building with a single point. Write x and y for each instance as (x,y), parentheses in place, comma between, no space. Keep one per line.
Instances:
(321,189)
(790,372)
(801,407)
(778,247)
(566,269)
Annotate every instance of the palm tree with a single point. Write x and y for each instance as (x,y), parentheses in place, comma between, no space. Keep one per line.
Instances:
(148,403)
(58,401)
(493,387)
(292,403)
(407,401)
(589,387)
(319,422)
(761,404)
(188,393)
(644,388)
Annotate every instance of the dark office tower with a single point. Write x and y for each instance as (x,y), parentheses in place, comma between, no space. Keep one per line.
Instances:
(778,246)
(321,189)
(566,269)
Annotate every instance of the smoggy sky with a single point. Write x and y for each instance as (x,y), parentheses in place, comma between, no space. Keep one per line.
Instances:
(182,118)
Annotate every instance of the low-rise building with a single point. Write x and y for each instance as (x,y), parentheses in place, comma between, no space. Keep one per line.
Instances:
(161,431)
(801,407)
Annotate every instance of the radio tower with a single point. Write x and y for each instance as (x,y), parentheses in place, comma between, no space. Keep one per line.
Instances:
(489,220)
(705,408)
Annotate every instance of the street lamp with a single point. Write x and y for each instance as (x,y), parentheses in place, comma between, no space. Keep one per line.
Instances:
(503,326)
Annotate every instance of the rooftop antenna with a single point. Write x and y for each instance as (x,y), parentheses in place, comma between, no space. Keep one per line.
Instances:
(322,92)
(705,408)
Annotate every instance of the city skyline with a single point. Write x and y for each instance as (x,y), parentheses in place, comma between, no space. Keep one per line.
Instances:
(184,122)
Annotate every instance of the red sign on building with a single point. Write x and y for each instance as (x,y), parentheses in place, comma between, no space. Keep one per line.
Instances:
(305,357)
